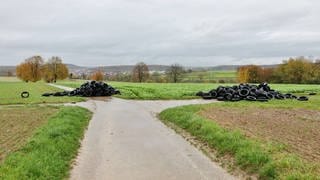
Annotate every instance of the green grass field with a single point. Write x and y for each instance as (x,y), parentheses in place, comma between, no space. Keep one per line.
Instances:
(49,152)
(10,93)
(210,76)
(155,91)
(269,159)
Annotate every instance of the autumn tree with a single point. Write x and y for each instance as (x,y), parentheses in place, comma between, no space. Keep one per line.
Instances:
(316,71)
(295,70)
(249,74)
(54,70)
(175,72)
(140,72)
(266,75)
(97,76)
(30,69)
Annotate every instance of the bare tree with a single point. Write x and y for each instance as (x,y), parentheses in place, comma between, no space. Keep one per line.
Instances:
(175,72)
(140,72)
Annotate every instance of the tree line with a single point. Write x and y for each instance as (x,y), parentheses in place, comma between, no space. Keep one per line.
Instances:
(298,70)
(141,73)
(35,68)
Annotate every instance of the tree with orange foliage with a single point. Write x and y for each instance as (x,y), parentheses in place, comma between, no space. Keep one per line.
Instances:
(54,70)
(249,74)
(295,70)
(266,74)
(97,76)
(30,69)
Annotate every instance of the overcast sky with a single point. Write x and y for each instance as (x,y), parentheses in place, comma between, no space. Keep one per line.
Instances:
(190,32)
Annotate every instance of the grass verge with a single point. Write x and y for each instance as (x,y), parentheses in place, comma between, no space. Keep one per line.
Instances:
(10,93)
(248,154)
(48,154)
(268,160)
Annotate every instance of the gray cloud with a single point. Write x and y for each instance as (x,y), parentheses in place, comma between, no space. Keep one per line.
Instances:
(190,32)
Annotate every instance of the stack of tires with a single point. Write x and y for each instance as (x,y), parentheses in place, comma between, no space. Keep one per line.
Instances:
(88,89)
(250,92)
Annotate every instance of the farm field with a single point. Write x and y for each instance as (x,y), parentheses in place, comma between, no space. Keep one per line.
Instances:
(9,79)
(153,91)
(17,124)
(41,146)
(278,139)
(10,93)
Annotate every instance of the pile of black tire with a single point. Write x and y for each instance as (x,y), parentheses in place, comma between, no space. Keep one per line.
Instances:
(88,89)
(249,92)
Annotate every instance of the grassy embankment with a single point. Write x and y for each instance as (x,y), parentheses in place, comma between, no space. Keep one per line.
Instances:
(271,157)
(154,91)
(10,91)
(40,148)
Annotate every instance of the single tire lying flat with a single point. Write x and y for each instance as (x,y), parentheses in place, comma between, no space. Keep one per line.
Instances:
(25,94)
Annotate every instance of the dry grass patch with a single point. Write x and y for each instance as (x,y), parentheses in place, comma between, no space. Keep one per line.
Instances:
(18,124)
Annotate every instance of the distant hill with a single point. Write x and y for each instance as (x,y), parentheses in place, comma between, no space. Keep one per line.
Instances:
(4,70)
(228,67)
(128,68)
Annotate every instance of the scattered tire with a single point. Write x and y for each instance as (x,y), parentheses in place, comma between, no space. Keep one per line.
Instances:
(25,94)
(303,98)
(312,93)
(47,94)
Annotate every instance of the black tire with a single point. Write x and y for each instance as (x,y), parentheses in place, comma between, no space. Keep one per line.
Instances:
(221,92)
(235,99)
(117,92)
(87,93)
(47,94)
(262,99)
(25,94)
(200,93)
(288,96)
(269,96)
(58,94)
(214,94)
(312,93)
(280,96)
(303,98)
(72,93)
(228,96)
(220,98)
(244,92)
(251,98)
(206,96)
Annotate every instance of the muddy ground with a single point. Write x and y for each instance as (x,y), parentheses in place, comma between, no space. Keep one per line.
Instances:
(299,129)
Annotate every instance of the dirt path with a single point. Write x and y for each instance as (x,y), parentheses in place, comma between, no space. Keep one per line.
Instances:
(125,140)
